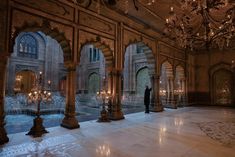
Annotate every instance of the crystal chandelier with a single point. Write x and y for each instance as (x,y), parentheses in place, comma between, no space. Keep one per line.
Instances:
(202,23)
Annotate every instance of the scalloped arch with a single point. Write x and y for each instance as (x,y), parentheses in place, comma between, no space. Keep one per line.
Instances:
(105,48)
(169,68)
(147,51)
(46,28)
(180,71)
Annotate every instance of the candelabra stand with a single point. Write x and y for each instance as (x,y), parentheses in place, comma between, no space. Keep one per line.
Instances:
(178,93)
(104,97)
(39,94)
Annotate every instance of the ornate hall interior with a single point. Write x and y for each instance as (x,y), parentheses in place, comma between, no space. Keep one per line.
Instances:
(74,76)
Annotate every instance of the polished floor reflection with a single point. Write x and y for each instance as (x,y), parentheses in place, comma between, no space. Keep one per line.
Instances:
(185,132)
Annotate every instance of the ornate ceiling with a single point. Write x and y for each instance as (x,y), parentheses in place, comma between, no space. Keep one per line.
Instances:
(153,16)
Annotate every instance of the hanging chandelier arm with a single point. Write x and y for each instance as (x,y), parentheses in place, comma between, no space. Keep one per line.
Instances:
(135,5)
(221,35)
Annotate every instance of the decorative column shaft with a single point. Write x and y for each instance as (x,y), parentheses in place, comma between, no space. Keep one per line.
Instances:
(116,92)
(183,96)
(172,96)
(156,105)
(168,91)
(70,120)
(3,134)
(153,93)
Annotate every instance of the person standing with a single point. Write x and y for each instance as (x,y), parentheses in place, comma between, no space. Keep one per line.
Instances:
(147,98)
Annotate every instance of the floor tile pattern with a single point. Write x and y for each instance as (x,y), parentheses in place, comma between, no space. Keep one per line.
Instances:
(185,132)
(223,132)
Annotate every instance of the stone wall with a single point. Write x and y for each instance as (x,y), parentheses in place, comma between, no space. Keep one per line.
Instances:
(204,66)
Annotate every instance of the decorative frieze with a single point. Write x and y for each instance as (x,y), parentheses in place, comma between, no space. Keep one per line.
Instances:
(96,23)
(19,68)
(53,7)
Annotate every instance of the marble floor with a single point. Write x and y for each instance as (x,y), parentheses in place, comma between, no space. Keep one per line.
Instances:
(185,132)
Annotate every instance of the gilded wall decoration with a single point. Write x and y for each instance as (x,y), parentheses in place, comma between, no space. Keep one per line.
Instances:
(96,23)
(51,7)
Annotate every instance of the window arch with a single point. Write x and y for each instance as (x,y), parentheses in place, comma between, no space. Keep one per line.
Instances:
(27,46)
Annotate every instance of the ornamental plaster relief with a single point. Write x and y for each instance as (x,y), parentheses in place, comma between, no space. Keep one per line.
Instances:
(96,23)
(51,7)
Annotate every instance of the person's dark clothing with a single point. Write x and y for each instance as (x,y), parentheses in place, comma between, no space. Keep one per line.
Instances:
(147,99)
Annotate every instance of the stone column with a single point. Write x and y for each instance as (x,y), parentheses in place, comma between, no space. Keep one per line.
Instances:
(156,105)
(153,86)
(3,134)
(168,92)
(116,92)
(183,96)
(70,120)
(172,96)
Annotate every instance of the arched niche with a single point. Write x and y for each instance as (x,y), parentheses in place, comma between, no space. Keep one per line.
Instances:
(165,84)
(142,80)
(222,91)
(93,83)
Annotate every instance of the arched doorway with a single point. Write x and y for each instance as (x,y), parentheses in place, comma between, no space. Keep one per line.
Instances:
(142,80)
(166,85)
(179,86)
(33,52)
(222,89)
(91,78)
(24,81)
(93,83)
(139,67)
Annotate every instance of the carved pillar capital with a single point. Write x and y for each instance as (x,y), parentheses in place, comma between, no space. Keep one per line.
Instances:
(70,66)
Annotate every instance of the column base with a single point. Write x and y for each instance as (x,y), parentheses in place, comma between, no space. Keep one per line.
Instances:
(103,116)
(70,122)
(38,129)
(173,104)
(117,115)
(157,108)
(3,136)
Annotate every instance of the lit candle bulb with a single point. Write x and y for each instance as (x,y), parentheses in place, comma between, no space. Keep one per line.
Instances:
(167,20)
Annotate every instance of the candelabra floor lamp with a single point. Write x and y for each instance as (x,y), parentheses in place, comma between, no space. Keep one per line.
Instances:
(104,98)
(39,94)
